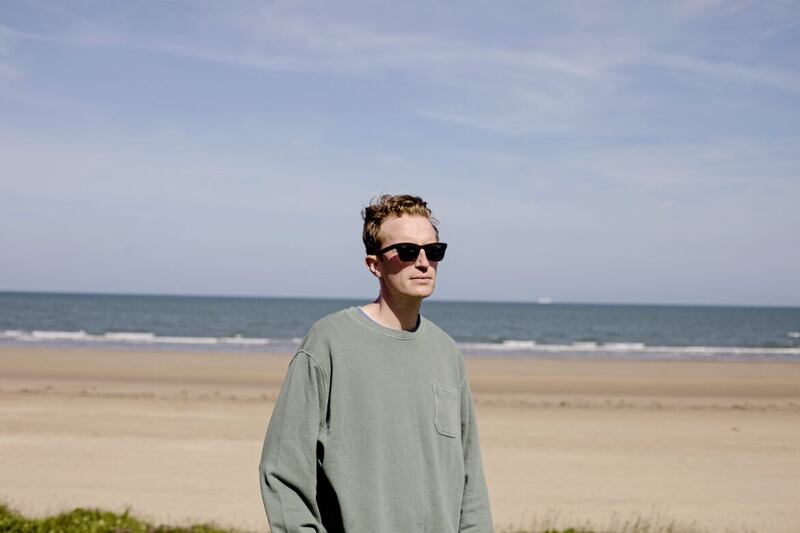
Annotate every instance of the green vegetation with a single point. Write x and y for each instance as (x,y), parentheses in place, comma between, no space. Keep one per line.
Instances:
(91,521)
(97,521)
(656,523)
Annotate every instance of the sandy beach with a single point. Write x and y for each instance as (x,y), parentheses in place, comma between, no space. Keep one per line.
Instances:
(176,437)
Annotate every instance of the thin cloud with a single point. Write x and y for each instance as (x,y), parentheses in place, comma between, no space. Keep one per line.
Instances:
(295,44)
(727,71)
(554,86)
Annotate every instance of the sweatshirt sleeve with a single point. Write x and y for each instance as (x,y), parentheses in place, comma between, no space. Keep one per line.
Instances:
(476,514)
(288,467)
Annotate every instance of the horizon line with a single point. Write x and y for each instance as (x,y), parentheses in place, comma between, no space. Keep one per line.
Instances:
(551,301)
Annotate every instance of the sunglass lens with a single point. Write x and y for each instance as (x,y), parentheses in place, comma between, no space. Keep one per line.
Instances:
(435,252)
(408,252)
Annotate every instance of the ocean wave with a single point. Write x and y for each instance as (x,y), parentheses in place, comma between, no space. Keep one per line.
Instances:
(506,347)
(57,335)
(127,337)
(625,348)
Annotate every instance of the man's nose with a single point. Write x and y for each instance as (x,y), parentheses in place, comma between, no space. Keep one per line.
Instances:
(422,259)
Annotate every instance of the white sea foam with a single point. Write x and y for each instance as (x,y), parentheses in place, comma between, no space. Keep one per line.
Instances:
(238,339)
(130,336)
(519,344)
(60,335)
(793,334)
(584,344)
(187,340)
(126,338)
(510,346)
(624,348)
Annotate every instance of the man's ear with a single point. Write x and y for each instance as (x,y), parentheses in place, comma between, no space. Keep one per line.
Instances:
(373,264)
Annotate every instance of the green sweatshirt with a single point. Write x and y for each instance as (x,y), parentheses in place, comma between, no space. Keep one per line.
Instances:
(374,431)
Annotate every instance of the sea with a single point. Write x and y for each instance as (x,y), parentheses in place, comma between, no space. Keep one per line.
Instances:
(277,325)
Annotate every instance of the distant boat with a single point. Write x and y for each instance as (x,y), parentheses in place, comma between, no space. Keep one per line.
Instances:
(544,300)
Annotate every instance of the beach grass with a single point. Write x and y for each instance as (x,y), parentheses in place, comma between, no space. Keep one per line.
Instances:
(90,520)
(653,522)
(635,524)
(84,520)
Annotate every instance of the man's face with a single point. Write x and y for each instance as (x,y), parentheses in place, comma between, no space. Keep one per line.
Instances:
(407,279)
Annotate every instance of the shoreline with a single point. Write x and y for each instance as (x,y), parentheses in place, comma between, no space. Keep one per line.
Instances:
(176,436)
(625,351)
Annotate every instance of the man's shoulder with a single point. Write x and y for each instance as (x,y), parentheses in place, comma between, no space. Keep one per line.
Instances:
(330,322)
(323,333)
(442,339)
(433,329)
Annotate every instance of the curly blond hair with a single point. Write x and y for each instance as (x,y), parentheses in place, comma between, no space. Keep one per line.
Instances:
(386,206)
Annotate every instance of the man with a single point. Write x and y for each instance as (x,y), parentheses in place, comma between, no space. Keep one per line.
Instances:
(374,428)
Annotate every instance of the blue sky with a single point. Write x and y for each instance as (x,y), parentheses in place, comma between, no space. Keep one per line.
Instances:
(583,151)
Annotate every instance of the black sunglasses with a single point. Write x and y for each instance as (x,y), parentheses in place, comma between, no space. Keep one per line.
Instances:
(408,251)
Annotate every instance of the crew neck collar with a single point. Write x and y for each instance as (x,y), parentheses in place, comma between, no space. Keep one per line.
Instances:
(360,316)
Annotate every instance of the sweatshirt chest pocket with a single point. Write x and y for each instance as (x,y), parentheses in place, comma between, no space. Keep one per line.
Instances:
(446,417)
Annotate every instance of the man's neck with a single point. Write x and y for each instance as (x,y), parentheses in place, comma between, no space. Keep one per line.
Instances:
(393,314)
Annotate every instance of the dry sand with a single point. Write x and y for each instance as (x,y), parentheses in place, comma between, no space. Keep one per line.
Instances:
(177,437)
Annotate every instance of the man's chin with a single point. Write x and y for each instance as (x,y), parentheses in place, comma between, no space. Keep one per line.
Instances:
(423,294)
